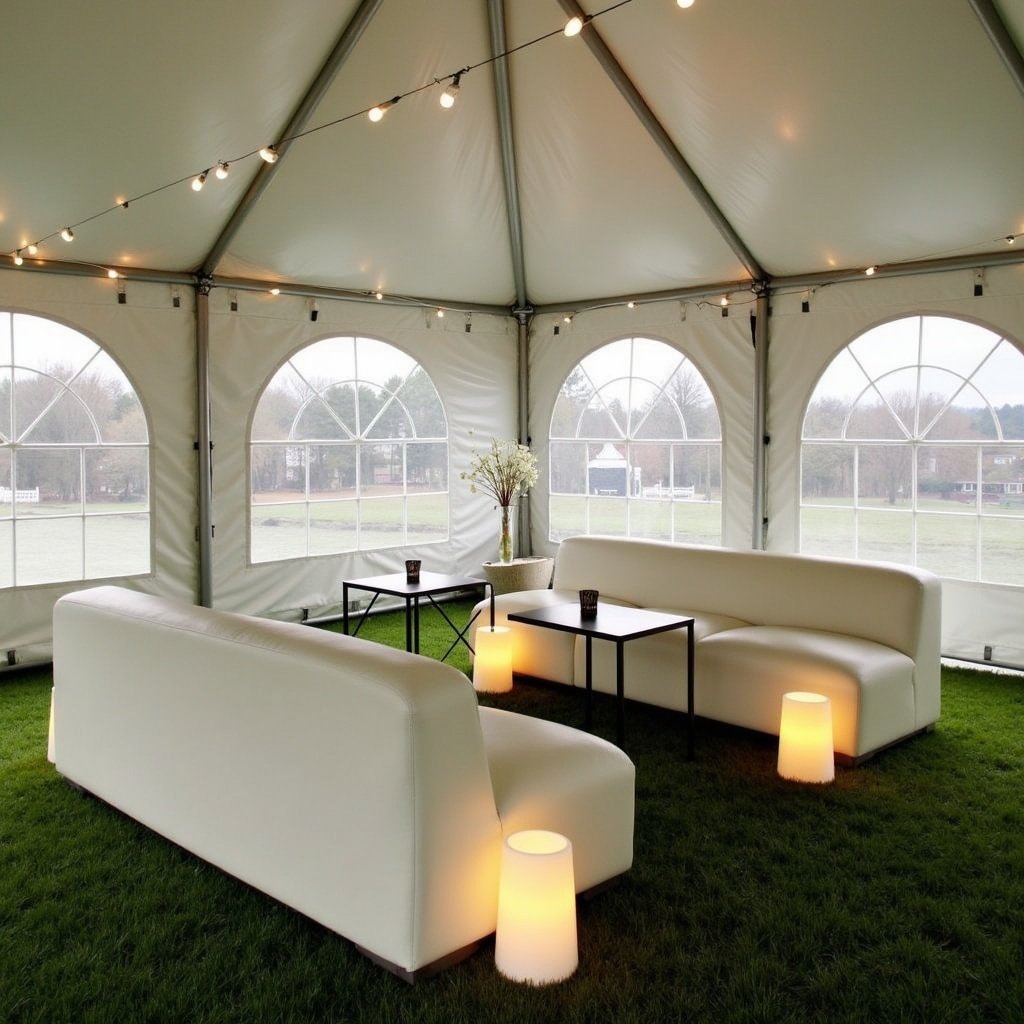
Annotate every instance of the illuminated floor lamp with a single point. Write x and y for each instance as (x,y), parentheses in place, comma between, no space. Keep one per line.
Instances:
(805,738)
(492,660)
(535,940)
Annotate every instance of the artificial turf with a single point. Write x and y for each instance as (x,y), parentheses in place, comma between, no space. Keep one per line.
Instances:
(895,894)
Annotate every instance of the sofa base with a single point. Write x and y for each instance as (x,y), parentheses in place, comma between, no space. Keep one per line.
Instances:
(427,970)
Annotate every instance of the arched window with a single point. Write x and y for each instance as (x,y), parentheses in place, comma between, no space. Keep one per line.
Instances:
(349,453)
(74,459)
(913,451)
(636,447)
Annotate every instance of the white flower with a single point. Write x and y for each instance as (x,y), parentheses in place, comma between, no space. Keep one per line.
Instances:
(506,471)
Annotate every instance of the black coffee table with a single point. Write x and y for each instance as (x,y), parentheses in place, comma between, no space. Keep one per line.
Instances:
(618,625)
(430,585)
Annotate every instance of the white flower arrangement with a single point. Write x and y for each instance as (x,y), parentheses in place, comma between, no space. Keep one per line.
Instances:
(506,471)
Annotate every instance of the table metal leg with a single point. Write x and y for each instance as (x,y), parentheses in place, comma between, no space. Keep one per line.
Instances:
(620,693)
(589,715)
(416,624)
(408,623)
(344,608)
(691,714)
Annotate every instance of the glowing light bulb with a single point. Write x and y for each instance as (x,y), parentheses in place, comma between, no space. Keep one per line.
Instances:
(380,296)
(275,291)
(566,319)
(573,27)
(33,249)
(870,272)
(684,4)
(112,274)
(449,96)
(18,259)
(199,181)
(223,170)
(631,305)
(270,154)
(67,234)
(1010,239)
(724,301)
(440,314)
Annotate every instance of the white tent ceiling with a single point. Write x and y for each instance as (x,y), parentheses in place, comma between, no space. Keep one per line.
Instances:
(828,134)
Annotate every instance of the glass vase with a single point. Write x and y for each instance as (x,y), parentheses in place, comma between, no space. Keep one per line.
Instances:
(506,533)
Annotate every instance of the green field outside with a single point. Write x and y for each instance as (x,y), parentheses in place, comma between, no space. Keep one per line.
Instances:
(696,522)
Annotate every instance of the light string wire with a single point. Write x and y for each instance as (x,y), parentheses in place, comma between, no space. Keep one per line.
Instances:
(123,204)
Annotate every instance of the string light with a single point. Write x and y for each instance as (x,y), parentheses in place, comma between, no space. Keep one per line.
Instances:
(377,113)
(18,259)
(275,291)
(573,27)
(439,313)
(870,271)
(32,249)
(380,296)
(199,181)
(223,170)
(631,304)
(269,154)
(1010,239)
(67,234)
(112,274)
(451,94)
(685,4)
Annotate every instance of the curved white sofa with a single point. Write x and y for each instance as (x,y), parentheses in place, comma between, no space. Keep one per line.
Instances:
(864,634)
(361,785)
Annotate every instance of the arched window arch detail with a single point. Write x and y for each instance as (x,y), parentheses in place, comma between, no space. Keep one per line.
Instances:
(913,451)
(349,452)
(636,447)
(74,459)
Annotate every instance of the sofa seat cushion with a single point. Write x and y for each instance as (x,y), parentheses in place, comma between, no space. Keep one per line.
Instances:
(536,651)
(654,666)
(871,686)
(549,776)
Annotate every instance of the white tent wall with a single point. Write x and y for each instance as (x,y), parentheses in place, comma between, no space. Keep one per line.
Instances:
(154,344)
(975,615)
(475,376)
(720,347)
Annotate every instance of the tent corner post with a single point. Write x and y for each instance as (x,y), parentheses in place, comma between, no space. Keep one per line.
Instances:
(204,443)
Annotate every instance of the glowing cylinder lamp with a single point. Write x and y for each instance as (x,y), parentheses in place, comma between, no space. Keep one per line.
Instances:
(535,940)
(492,660)
(805,738)
(51,743)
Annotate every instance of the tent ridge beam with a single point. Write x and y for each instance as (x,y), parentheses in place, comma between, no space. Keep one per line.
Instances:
(249,284)
(699,291)
(503,98)
(297,122)
(999,35)
(657,131)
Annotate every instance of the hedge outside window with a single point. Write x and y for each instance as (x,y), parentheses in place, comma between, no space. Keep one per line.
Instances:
(349,453)
(913,451)
(74,459)
(635,447)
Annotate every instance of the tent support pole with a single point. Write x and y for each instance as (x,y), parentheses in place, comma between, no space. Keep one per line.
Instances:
(995,28)
(204,444)
(759,533)
(523,417)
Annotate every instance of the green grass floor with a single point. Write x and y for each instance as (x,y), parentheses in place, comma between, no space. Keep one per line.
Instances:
(895,894)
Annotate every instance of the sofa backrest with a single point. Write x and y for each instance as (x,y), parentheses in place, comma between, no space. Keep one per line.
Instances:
(893,605)
(342,777)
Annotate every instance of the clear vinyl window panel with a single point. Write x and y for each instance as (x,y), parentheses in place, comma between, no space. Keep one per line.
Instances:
(913,451)
(74,459)
(349,452)
(636,447)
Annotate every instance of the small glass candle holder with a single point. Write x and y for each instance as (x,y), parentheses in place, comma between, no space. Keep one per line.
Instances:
(412,570)
(588,604)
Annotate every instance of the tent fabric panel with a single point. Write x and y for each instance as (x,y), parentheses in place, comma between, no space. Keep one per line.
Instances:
(137,97)
(603,211)
(803,344)
(819,159)
(720,348)
(413,205)
(154,343)
(474,374)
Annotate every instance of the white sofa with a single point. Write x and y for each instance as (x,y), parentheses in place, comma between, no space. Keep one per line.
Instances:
(865,634)
(361,785)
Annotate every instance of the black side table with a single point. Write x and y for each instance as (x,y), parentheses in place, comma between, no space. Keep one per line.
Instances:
(430,585)
(618,625)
